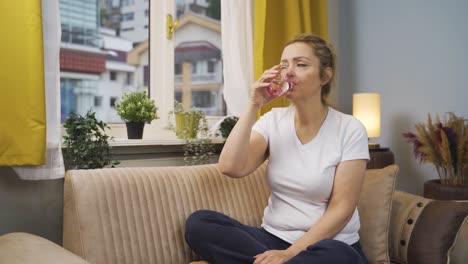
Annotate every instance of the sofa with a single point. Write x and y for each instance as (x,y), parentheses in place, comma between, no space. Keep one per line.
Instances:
(137,215)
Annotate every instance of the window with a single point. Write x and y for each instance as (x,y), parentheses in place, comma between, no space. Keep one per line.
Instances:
(113,76)
(202,99)
(77,35)
(177,69)
(115,18)
(178,96)
(97,38)
(97,101)
(128,2)
(106,53)
(112,101)
(77,92)
(128,16)
(129,79)
(112,3)
(194,67)
(211,66)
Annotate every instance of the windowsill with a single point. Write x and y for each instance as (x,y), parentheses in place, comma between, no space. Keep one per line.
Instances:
(124,142)
(157,142)
(154,134)
(154,152)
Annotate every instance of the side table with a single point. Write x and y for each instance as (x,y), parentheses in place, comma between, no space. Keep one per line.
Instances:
(380,158)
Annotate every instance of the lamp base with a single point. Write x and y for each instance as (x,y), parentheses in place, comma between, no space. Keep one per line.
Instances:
(373,145)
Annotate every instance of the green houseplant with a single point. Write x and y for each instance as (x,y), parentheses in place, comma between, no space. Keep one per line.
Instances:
(198,151)
(444,144)
(86,145)
(193,127)
(136,109)
(227,125)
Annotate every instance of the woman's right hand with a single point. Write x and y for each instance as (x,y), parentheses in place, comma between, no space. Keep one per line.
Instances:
(258,92)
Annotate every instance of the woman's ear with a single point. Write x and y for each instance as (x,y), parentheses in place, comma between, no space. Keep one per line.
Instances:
(327,76)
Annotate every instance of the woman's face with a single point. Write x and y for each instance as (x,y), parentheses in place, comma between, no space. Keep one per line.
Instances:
(301,67)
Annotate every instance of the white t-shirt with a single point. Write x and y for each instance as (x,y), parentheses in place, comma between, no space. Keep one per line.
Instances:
(301,175)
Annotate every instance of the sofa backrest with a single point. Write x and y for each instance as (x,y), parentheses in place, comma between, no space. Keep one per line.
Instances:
(137,215)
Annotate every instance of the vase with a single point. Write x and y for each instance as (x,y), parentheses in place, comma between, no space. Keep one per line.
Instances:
(135,130)
(187,125)
(433,189)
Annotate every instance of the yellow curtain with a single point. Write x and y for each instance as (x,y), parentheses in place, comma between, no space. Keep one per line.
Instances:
(276,22)
(22,99)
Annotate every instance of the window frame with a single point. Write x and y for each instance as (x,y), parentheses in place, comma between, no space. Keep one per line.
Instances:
(161,59)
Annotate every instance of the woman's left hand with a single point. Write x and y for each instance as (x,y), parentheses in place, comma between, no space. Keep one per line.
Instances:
(273,257)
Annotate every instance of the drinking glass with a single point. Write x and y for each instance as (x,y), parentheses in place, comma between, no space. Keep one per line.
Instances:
(278,86)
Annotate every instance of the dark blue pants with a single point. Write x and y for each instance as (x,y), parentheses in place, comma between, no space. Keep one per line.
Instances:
(217,238)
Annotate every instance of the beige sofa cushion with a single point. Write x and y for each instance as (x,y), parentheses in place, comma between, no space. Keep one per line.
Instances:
(375,211)
(24,248)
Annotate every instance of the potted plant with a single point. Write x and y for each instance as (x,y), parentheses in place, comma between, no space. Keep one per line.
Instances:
(188,123)
(86,145)
(445,145)
(227,125)
(136,109)
(198,151)
(193,127)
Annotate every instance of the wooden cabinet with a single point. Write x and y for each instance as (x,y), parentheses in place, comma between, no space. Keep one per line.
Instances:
(380,158)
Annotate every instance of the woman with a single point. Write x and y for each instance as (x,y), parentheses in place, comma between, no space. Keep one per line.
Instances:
(316,165)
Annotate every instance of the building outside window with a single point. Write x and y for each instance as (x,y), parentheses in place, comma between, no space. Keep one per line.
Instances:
(91,55)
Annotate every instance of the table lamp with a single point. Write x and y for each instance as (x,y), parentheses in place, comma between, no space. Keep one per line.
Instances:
(366,108)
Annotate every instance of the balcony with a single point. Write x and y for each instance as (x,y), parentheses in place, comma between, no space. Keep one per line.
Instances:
(200,78)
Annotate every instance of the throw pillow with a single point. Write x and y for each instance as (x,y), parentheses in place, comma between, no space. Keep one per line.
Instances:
(458,253)
(435,231)
(375,210)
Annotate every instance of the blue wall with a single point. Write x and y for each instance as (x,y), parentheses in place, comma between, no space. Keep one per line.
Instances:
(412,52)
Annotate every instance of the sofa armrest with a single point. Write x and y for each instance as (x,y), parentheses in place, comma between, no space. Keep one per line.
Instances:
(23,248)
(426,231)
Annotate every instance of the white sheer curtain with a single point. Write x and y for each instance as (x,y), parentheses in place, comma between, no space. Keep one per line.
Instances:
(54,167)
(237,45)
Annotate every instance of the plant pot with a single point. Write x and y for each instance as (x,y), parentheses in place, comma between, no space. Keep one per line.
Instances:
(433,189)
(187,125)
(135,130)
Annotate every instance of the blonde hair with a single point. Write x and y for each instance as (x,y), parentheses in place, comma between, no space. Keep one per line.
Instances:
(326,56)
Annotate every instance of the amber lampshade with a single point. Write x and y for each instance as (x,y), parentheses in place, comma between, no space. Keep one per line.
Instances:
(366,108)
